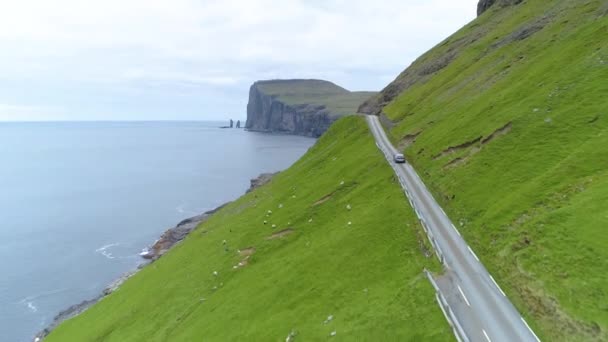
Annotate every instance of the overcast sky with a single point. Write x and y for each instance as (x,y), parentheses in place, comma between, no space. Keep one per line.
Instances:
(195,60)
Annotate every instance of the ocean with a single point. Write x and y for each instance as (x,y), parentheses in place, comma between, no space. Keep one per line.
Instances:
(80,200)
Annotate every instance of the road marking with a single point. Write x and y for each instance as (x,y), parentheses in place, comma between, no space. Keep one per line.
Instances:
(470,250)
(440,208)
(498,287)
(463,296)
(486,335)
(457,232)
(527,326)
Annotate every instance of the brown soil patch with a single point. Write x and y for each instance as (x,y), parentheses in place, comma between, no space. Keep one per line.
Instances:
(474,146)
(408,140)
(453,149)
(323,199)
(497,133)
(247,251)
(280,234)
(243,262)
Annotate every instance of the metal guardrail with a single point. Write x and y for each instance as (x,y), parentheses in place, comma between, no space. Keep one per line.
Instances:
(443,303)
(441,300)
(403,184)
(461,336)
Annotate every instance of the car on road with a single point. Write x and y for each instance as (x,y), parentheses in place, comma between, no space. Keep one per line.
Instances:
(399,158)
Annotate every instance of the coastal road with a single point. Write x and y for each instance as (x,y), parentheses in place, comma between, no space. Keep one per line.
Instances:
(472,301)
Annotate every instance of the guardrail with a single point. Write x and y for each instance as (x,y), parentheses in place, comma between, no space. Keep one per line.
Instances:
(441,300)
(426,229)
(461,336)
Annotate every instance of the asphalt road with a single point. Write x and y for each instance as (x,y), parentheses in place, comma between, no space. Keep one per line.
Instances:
(481,309)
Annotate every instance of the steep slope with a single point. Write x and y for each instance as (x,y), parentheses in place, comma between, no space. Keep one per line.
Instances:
(507,121)
(327,246)
(303,107)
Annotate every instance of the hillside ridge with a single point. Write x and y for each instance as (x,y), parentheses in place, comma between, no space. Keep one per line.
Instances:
(505,122)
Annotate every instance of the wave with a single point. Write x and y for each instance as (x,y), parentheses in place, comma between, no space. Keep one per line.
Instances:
(29,301)
(104,250)
(182,209)
(42,295)
(124,252)
(32,307)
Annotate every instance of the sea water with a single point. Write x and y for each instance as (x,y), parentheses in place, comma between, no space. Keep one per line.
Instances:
(80,200)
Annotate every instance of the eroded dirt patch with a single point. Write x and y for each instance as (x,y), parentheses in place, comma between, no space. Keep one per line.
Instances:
(526,30)
(547,307)
(323,199)
(454,149)
(473,146)
(407,140)
(247,251)
(497,133)
(279,234)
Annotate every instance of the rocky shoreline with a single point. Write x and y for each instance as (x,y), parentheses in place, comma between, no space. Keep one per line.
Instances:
(167,240)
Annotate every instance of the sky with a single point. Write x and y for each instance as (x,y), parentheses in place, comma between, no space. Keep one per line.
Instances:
(195,60)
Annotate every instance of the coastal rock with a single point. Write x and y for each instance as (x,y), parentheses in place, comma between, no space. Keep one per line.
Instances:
(176,234)
(167,240)
(484,5)
(302,107)
(260,180)
(79,308)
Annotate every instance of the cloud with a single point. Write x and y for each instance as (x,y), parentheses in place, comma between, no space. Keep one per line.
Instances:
(12,112)
(139,46)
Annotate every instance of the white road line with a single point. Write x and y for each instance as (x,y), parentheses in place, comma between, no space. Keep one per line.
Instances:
(463,296)
(440,208)
(474,255)
(486,335)
(457,232)
(498,287)
(527,326)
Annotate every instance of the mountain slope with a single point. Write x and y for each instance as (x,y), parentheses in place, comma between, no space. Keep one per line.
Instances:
(304,107)
(506,121)
(362,266)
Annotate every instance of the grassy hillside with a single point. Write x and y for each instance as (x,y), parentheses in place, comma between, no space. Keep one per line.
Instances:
(507,122)
(313,258)
(338,100)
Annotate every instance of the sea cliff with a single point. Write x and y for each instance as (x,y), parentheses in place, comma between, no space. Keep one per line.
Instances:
(302,107)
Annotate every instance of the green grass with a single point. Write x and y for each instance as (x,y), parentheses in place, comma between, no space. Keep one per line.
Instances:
(532,203)
(338,100)
(368,274)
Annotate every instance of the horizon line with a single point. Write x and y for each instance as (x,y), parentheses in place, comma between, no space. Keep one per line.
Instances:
(118,120)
